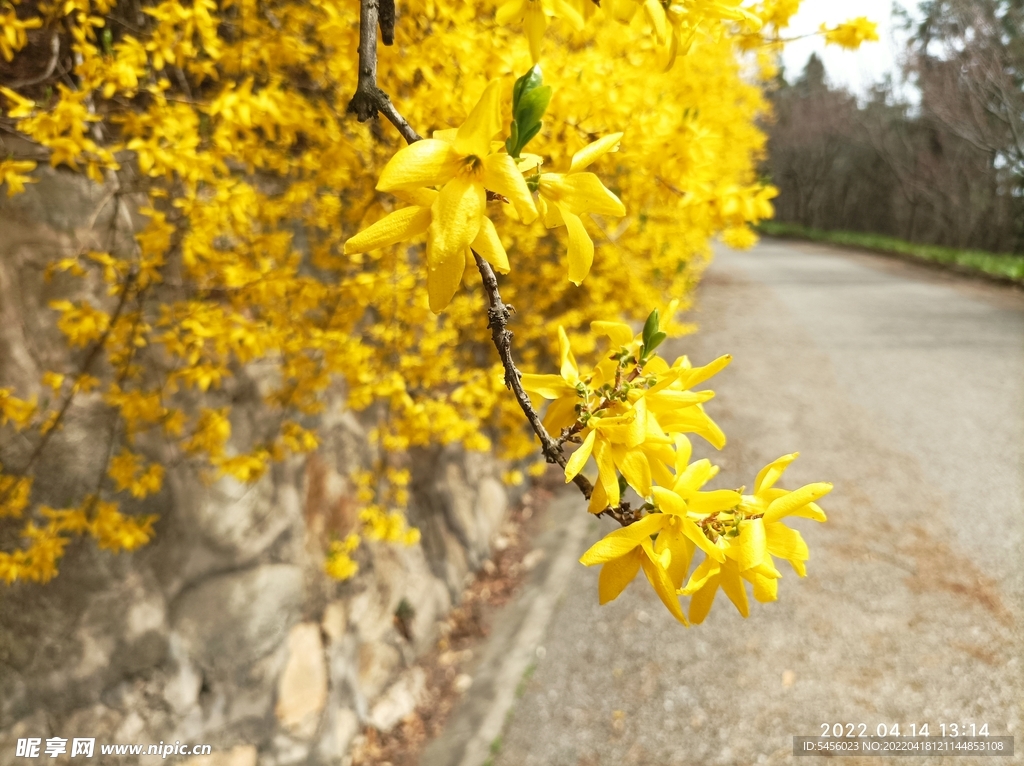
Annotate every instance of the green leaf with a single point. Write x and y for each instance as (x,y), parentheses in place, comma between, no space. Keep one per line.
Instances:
(530,98)
(651,325)
(655,341)
(532,79)
(512,142)
(532,106)
(529,136)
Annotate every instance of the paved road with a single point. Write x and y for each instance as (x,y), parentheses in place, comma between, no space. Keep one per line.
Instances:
(904,387)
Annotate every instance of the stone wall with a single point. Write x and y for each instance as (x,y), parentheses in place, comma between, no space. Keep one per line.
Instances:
(224,630)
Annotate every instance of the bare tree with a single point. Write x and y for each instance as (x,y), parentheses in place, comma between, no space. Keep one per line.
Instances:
(949,170)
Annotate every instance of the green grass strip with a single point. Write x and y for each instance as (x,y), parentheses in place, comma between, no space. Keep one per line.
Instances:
(1003,266)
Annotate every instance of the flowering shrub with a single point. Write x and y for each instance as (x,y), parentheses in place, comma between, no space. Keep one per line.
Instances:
(286,227)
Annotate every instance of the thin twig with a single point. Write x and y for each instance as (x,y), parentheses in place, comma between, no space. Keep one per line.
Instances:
(84,369)
(498,314)
(50,67)
(369,99)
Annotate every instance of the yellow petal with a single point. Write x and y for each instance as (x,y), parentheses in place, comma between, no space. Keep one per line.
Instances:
(788,544)
(566,12)
(659,580)
(397,226)
(607,549)
(474,137)
(580,457)
(765,588)
(535,21)
(716,500)
(682,549)
(693,420)
(550,215)
(660,457)
(457,213)
(703,598)
(445,134)
(668,501)
(456,223)
(570,370)
(444,274)
(582,193)
(636,431)
(488,245)
(656,15)
(421,196)
(795,502)
(581,247)
(592,151)
(633,465)
(502,176)
(604,372)
(598,500)
(621,541)
(771,473)
(606,471)
(616,574)
(707,569)
(732,585)
(424,163)
(683,451)
(548,386)
(695,476)
(699,374)
(528,162)
(692,531)
(748,549)
(619,333)
(511,12)
(561,413)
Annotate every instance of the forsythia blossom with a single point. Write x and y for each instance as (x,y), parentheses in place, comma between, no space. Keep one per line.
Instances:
(464,165)
(253,177)
(850,34)
(631,414)
(564,197)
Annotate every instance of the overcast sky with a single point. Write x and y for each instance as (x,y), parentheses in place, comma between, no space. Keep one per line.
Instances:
(856,70)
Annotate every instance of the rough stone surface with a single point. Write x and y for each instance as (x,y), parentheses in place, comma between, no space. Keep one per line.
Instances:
(225,629)
(302,687)
(230,621)
(399,700)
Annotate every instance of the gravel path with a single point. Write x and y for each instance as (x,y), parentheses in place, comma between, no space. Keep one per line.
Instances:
(904,387)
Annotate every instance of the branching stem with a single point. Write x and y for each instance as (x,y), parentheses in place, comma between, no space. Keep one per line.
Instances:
(369,99)
(365,104)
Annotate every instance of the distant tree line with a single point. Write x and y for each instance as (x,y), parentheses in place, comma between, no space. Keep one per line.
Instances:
(948,170)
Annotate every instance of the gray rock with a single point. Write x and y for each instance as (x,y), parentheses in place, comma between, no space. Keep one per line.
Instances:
(399,700)
(229,621)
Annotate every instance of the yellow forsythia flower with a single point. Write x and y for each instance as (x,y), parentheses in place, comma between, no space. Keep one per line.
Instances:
(464,165)
(564,197)
(850,34)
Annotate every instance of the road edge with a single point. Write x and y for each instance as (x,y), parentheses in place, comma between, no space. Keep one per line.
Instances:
(485,708)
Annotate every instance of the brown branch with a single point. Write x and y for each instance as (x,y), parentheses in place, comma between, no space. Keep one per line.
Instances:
(369,99)
(84,369)
(387,21)
(45,75)
(498,314)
